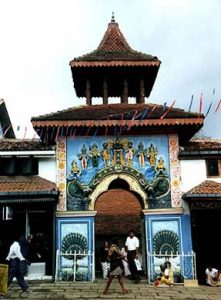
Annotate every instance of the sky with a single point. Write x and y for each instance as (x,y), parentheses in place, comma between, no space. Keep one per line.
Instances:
(38,39)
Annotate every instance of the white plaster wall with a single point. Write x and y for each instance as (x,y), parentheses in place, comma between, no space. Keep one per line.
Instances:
(47,168)
(193,172)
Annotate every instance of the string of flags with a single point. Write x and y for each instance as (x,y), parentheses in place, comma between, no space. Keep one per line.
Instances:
(131,116)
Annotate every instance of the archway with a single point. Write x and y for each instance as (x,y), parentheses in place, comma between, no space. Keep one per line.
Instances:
(118,210)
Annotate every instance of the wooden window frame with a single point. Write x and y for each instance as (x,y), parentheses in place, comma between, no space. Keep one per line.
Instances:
(219,168)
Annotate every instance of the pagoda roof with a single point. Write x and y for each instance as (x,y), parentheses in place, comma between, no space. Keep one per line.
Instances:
(114,50)
(133,116)
(113,112)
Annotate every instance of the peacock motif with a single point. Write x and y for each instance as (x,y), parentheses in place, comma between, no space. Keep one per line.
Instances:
(74,242)
(166,242)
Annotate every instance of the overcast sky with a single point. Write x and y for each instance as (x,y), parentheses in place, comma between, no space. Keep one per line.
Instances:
(38,39)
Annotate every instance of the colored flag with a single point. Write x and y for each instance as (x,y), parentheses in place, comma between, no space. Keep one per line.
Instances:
(25,132)
(144,114)
(208,109)
(152,110)
(121,122)
(132,120)
(6,130)
(191,103)
(74,132)
(166,112)
(217,107)
(164,106)
(106,129)
(201,103)
(96,130)
(57,134)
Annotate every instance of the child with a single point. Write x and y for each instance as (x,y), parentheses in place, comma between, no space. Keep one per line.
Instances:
(165,276)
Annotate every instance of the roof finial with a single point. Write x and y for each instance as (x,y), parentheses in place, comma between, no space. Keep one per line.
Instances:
(112,18)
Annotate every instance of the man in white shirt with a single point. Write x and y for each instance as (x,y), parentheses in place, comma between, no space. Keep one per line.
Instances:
(15,258)
(132,247)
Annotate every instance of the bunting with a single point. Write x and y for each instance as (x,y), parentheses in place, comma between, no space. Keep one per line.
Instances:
(25,133)
(201,103)
(208,110)
(191,103)
(7,129)
(132,120)
(217,107)
(166,112)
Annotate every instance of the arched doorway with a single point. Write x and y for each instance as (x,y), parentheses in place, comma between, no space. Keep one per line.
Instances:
(118,210)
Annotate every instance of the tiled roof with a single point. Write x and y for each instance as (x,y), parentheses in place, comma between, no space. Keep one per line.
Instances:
(203,145)
(24,184)
(205,189)
(138,118)
(23,145)
(113,47)
(116,112)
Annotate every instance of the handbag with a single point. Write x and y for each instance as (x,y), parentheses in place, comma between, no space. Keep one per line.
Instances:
(138,264)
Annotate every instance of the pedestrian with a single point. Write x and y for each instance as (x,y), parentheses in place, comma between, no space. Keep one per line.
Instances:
(24,247)
(17,266)
(213,276)
(105,264)
(116,267)
(125,263)
(132,248)
(166,275)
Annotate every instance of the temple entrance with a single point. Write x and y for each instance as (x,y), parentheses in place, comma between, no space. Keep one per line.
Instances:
(205,235)
(118,211)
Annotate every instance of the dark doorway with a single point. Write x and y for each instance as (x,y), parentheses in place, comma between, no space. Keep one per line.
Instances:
(205,235)
(36,219)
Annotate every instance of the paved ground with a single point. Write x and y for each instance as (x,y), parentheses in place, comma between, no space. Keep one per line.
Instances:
(71,290)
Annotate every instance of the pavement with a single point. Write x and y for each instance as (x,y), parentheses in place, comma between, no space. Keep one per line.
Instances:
(87,290)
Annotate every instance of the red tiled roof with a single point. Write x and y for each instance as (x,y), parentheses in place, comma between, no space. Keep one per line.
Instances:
(21,184)
(206,188)
(112,48)
(203,145)
(23,145)
(108,114)
(137,117)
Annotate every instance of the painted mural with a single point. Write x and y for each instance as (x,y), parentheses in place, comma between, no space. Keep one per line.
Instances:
(89,161)
(75,253)
(164,244)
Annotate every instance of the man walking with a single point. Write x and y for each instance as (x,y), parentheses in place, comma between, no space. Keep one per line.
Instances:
(16,266)
(132,247)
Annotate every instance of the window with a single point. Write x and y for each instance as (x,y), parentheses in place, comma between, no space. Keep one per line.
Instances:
(12,166)
(213,167)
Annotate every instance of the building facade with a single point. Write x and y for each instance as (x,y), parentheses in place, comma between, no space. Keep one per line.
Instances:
(118,164)
(100,170)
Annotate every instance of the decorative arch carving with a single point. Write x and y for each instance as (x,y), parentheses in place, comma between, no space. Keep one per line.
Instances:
(104,185)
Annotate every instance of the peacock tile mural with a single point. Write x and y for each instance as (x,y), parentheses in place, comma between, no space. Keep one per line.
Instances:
(89,161)
(168,241)
(75,249)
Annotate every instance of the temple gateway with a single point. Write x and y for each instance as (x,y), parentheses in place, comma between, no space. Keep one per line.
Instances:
(118,167)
